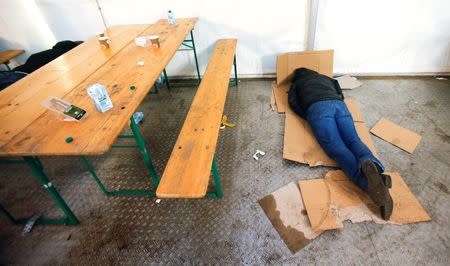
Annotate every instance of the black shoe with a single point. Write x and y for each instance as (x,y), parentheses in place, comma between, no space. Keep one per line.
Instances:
(378,191)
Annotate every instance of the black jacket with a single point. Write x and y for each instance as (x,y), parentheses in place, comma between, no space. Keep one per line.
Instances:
(37,60)
(309,87)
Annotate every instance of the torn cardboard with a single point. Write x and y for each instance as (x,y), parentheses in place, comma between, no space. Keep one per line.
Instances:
(286,212)
(319,61)
(301,146)
(399,136)
(334,199)
(281,98)
(273,104)
(347,82)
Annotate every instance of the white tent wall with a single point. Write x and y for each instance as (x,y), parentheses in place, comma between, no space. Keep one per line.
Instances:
(22,26)
(386,37)
(369,37)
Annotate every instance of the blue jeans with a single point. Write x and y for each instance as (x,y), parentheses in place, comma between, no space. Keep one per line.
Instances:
(333,127)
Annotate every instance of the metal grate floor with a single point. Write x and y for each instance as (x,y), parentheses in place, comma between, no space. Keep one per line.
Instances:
(136,230)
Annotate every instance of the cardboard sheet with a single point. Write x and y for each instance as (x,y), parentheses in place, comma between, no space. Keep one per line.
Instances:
(335,198)
(348,83)
(286,212)
(301,146)
(399,136)
(320,61)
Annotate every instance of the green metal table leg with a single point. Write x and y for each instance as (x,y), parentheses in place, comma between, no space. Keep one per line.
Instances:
(166,79)
(235,71)
(195,57)
(144,152)
(129,192)
(91,170)
(36,169)
(7,215)
(216,177)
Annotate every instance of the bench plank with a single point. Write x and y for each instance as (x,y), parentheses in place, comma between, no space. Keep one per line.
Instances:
(188,170)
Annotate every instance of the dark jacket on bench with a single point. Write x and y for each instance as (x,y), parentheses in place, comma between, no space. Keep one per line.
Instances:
(309,87)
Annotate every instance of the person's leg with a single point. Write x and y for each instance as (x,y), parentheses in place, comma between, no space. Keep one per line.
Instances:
(321,118)
(370,168)
(348,133)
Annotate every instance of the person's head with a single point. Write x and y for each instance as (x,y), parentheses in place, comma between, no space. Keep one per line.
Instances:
(302,72)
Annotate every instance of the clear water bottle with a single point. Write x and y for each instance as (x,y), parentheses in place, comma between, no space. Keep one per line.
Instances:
(170,17)
(138,117)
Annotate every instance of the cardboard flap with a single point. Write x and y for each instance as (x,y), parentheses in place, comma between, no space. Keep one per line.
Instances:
(399,136)
(347,82)
(320,61)
(334,199)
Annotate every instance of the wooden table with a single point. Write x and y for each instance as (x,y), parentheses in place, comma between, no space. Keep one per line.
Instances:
(7,55)
(29,130)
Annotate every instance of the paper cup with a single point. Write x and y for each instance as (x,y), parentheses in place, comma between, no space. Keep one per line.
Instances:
(104,41)
(155,40)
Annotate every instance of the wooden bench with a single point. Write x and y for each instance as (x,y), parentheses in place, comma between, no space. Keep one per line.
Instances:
(192,160)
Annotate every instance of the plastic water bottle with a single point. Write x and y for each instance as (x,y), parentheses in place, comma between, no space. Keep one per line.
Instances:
(138,117)
(100,96)
(170,17)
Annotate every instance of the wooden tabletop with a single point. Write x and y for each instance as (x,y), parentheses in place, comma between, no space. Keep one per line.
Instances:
(5,56)
(28,129)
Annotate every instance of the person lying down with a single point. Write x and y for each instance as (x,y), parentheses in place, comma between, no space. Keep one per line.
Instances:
(319,99)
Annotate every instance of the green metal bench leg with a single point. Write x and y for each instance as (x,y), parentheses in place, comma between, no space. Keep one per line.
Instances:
(216,176)
(36,169)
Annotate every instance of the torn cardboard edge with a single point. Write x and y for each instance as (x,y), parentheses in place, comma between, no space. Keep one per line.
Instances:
(347,82)
(335,198)
(327,202)
(286,212)
(401,137)
(273,104)
(301,146)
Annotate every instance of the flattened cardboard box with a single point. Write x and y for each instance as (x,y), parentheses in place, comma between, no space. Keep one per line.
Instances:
(286,212)
(319,61)
(334,199)
(401,137)
(301,146)
(347,82)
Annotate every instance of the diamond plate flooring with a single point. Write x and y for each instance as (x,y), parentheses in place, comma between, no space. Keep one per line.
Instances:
(233,230)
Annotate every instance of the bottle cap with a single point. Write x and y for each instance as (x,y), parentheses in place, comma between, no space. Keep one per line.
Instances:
(69,139)
(133,88)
